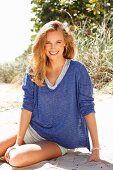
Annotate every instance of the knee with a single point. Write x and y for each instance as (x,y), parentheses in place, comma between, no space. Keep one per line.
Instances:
(16,159)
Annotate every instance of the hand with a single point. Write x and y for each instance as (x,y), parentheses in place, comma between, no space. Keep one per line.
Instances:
(95,156)
(7,154)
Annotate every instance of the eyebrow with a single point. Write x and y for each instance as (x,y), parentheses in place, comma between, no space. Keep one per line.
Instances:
(50,41)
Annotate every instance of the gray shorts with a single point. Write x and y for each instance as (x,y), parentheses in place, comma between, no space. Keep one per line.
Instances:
(32,136)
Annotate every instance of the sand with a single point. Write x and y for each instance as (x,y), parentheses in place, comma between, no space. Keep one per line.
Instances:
(10,101)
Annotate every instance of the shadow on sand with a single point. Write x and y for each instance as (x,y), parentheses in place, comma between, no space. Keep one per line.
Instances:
(70,161)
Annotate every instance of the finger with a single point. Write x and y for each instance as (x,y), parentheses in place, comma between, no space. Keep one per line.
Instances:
(2,158)
(7,159)
(7,154)
(93,159)
(88,160)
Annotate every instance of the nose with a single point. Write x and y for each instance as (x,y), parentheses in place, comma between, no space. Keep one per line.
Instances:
(53,45)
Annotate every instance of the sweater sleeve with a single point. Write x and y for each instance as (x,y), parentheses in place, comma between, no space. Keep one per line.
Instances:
(28,93)
(85,96)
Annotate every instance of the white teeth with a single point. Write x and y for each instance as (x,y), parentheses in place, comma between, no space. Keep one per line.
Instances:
(53,53)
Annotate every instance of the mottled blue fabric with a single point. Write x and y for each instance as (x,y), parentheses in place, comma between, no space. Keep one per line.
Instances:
(58,115)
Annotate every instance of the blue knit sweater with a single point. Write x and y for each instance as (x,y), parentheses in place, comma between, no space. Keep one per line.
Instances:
(58,115)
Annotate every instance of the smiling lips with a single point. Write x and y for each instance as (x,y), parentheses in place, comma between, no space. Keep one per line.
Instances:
(53,52)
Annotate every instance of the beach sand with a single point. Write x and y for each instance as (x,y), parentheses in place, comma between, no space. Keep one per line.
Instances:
(10,102)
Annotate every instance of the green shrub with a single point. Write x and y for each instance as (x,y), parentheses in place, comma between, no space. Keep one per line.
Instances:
(96,52)
(14,72)
(7,72)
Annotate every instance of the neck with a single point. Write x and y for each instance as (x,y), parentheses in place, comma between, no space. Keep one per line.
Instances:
(54,65)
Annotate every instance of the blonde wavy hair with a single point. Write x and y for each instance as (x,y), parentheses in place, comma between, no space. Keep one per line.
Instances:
(39,59)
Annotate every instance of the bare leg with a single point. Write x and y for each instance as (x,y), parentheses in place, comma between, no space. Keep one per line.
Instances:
(29,154)
(6,142)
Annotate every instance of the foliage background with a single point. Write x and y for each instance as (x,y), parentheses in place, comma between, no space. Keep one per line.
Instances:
(91,22)
(75,12)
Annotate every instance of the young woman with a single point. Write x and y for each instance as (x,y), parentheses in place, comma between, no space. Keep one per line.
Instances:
(58,108)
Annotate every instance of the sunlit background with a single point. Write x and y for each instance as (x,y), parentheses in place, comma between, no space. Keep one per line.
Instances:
(15,28)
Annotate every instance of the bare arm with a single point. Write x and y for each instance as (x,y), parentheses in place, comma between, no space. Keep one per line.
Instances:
(23,125)
(92,126)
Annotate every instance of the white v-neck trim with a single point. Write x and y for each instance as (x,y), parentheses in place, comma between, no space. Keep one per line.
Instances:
(60,77)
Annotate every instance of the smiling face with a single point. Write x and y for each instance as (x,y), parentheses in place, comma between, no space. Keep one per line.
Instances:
(54,45)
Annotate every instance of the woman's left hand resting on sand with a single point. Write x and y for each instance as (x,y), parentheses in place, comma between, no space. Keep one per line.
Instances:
(92,126)
(95,156)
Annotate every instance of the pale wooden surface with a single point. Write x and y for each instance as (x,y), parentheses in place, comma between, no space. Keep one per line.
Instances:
(10,100)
